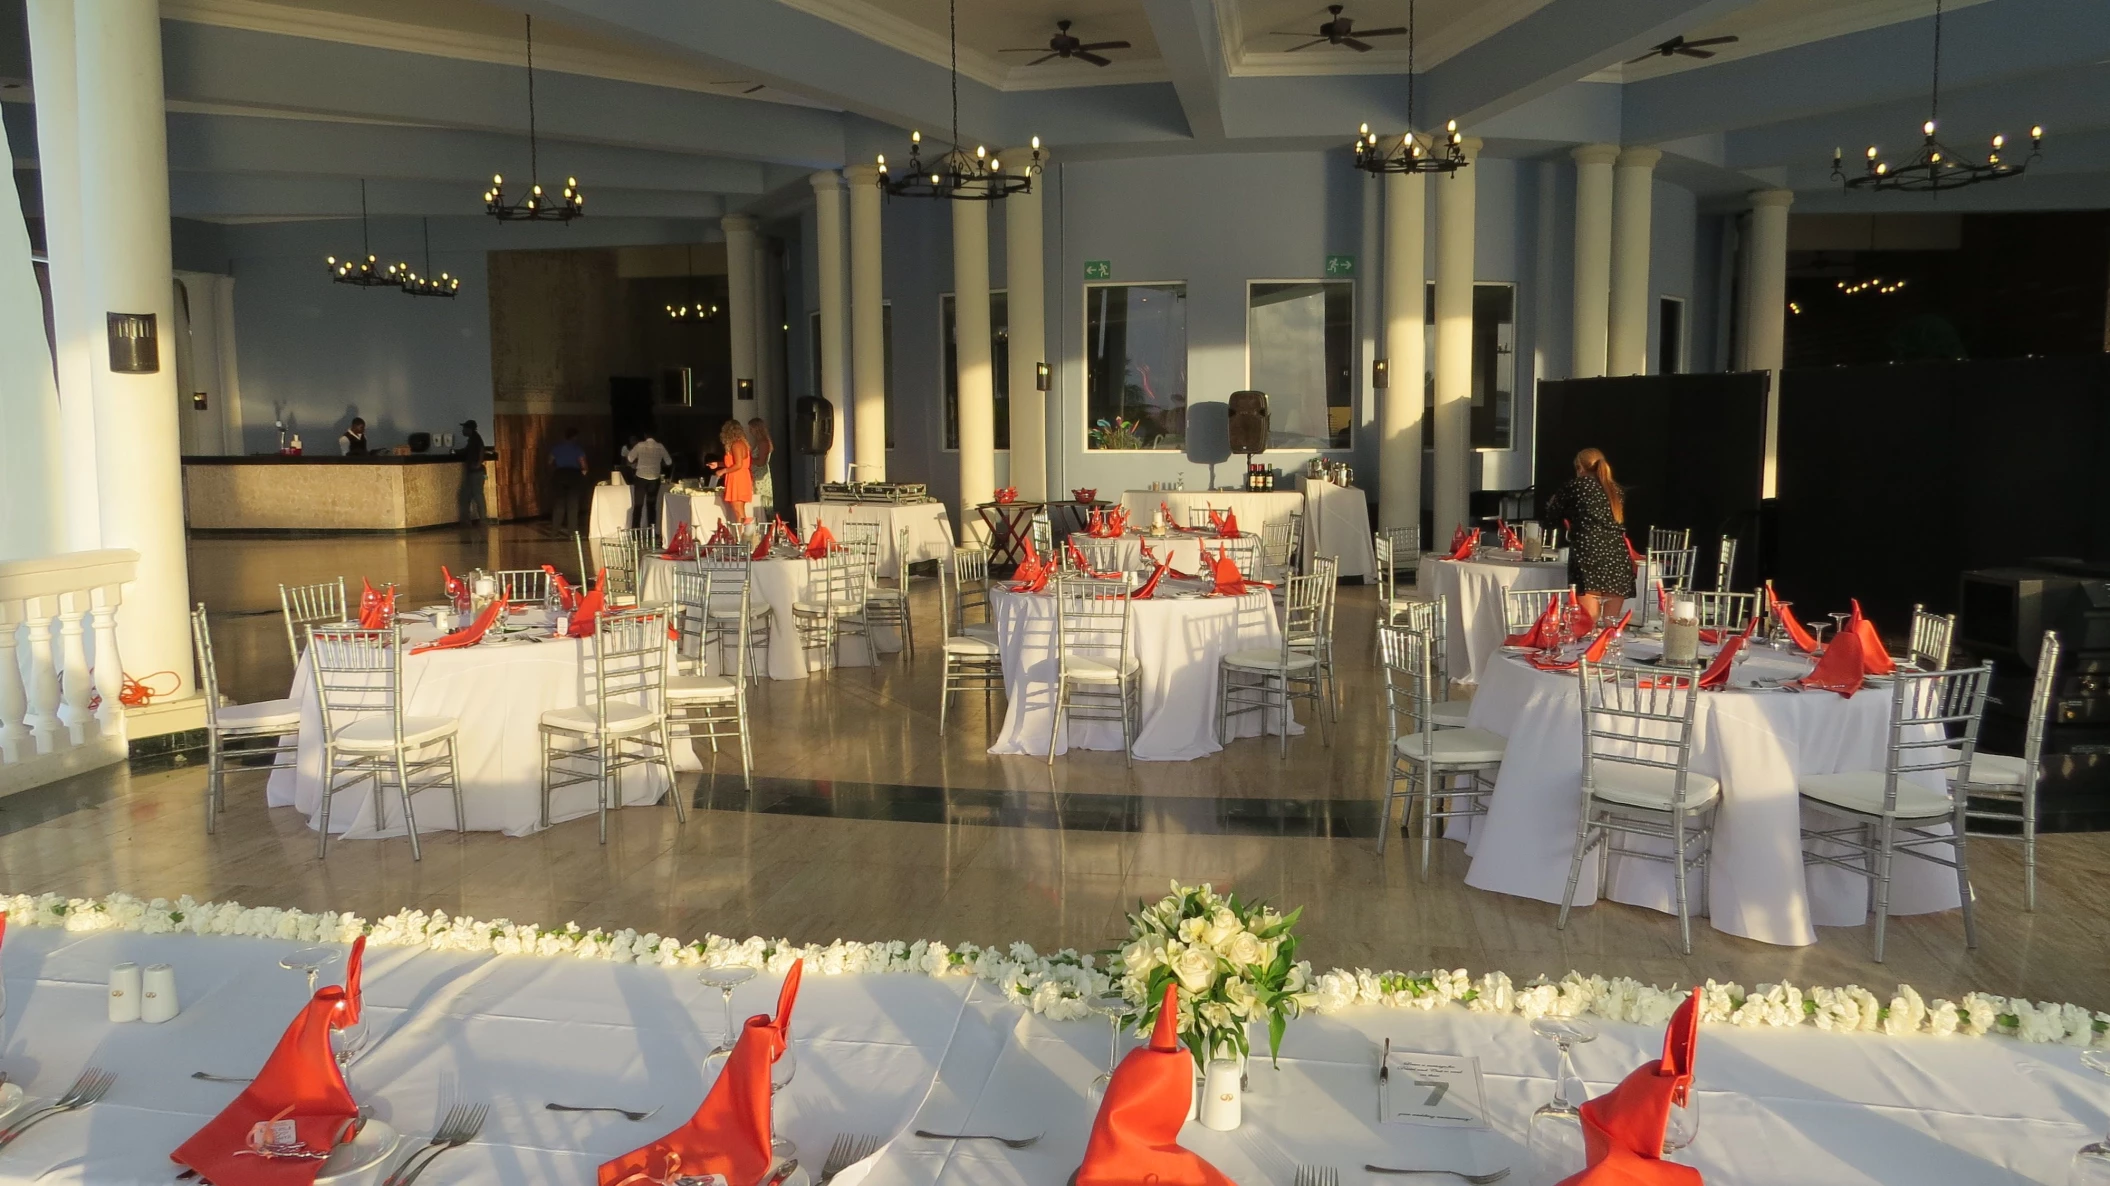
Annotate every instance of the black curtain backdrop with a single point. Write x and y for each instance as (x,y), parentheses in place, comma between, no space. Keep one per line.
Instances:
(1687,448)
(1894,480)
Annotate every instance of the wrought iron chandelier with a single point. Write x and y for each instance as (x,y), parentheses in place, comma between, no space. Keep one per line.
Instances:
(1412,152)
(1935,166)
(367,271)
(535,206)
(414,284)
(959,175)
(694,309)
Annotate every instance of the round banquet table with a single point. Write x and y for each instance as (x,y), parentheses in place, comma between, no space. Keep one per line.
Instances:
(778,582)
(1179,637)
(1756,742)
(498,690)
(1184,548)
(929,528)
(1475,589)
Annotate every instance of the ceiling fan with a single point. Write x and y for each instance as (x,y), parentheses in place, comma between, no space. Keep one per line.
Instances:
(1690,49)
(1341,30)
(1062,45)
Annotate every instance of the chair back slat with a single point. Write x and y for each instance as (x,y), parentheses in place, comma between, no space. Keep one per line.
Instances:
(1725,564)
(1725,611)
(1934,720)
(2040,697)
(208,669)
(628,661)
(1522,608)
(1092,618)
(1932,635)
(522,586)
(1665,539)
(970,585)
(1408,660)
(357,673)
(1637,716)
(320,604)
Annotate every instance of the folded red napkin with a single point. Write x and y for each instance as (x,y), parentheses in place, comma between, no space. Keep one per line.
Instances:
(1796,633)
(1511,541)
(1463,544)
(1165,513)
(1149,588)
(763,542)
(467,636)
(1082,563)
(1875,660)
(682,546)
(1594,652)
(821,542)
(456,587)
(297,1106)
(1118,518)
(1031,575)
(369,601)
(1228,527)
(567,597)
(1136,1135)
(1717,673)
(729,1134)
(1153,558)
(1545,632)
(354,997)
(1584,621)
(785,533)
(589,609)
(1216,520)
(1838,669)
(1631,554)
(722,534)
(1623,1128)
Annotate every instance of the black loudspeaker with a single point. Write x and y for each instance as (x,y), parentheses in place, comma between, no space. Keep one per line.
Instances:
(1249,428)
(813,428)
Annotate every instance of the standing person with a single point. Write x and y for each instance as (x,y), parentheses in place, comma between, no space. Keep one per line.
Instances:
(761,447)
(737,469)
(1594,508)
(472,454)
(568,479)
(353,442)
(648,460)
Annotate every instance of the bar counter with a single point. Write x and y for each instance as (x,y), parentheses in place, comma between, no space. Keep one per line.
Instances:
(271,492)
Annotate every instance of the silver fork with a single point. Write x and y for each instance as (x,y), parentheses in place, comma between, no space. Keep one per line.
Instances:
(468,1132)
(1476,1179)
(1318,1175)
(1013,1142)
(624,1112)
(849,1149)
(93,1085)
(451,1125)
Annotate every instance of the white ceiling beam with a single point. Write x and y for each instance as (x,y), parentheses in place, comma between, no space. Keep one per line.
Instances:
(1191,42)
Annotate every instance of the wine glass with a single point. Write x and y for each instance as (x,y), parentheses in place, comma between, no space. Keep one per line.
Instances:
(725,980)
(1565,1033)
(1684,1122)
(2092,1164)
(349,1042)
(311,960)
(1817,630)
(1111,1008)
(780,1074)
(1839,622)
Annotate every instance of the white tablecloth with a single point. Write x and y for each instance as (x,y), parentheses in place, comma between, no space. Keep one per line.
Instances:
(929,528)
(889,1054)
(1184,549)
(1475,589)
(1336,518)
(777,584)
(498,690)
(702,510)
(1179,641)
(1756,743)
(610,512)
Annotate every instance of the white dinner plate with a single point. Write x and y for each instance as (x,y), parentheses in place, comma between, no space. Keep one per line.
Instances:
(374,1145)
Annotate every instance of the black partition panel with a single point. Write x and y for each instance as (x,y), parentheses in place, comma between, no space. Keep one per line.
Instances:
(1687,448)
(1896,479)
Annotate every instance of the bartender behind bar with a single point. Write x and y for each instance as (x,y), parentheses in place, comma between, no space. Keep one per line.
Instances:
(353,442)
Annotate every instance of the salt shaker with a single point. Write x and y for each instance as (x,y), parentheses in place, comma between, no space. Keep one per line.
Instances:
(157,997)
(124,993)
(1223,1105)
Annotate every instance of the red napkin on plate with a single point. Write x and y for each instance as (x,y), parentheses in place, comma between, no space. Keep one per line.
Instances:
(1216,520)
(763,542)
(1149,588)
(1228,527)
(1229,581)
(729,1134)
(1717,673)
(1623,1128)
(821,542)
(589,608)
(1545,632)
(1511,541)
(1631,554)
(1031,576)
(682,546)
(1463,543)
(1875,660)
(369,601)
(467,636)
(722,534)
(1167,561)
(1165,511)
(300,1092)
(1136,1135)
(567,597)
(1838,669)
(1796,633)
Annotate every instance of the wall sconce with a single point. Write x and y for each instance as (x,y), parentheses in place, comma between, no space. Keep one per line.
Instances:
(197,401)
(1380,374)
(134,347)
(1040,376)
(743,389)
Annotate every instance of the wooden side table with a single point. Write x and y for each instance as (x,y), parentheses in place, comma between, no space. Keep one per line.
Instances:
(1008,527)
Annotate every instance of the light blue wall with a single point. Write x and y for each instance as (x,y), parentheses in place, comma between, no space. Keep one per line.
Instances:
(1672,252)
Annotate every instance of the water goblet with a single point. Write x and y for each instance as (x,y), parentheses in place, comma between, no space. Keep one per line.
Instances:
(780,1075)
(311,960)
(1565,1033)
(1111,1008)
(725,980)
(2091,1165)
(349,1042)
(1684,1122)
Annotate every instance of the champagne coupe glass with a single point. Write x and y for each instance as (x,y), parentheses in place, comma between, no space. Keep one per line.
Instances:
(2091,1165)
(311,960)
(1839,622)
(1565,1033)
(780,1074)
(1111,1008)
(1817,630)
(725,980)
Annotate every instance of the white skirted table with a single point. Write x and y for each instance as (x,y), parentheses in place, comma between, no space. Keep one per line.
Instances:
(1756,742)
(1184,548)
(929,528)
(777,583)
(1475,589)
(702,510)
(1179,638)
(1336,518)
(610,511)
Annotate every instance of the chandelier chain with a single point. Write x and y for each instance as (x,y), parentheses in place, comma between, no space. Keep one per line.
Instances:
(366,246)
(534,165)
(1934,102)
(952,34)
(1410,67)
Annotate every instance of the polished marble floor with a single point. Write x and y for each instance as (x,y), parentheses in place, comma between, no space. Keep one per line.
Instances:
(863,823)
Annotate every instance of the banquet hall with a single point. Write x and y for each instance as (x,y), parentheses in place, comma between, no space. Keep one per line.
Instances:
(1458,539)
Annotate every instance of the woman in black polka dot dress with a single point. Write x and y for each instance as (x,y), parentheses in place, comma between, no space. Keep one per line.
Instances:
(1593,510)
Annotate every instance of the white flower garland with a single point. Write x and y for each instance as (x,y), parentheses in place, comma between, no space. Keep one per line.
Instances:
(1062,984)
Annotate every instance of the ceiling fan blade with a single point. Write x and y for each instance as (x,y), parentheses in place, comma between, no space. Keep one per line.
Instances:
(1045,58)
(1361,47)
(1307,45)
(1690,52)
(1097,45)
(751,90)
(1093,58)
(1394,32)
(1644,57)
(1714,40)
(1038,49)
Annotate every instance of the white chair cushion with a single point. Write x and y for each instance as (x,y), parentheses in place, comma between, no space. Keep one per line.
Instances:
(1862,791)
(827,608)
(1449,714)
(1649,786)
(623,717)
(1269,661)
(265,716)
(1462,747)
(1995,770)
(1086,669)
(963,644)
(376,733)
(985,630)
(690,688)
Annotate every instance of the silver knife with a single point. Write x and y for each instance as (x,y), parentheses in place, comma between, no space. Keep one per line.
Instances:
(1384,1083)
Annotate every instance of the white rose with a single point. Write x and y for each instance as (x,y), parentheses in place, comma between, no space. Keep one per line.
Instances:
(1191,929)
(1244,951)
(1196,969)
(1222,926)
(1907,1012)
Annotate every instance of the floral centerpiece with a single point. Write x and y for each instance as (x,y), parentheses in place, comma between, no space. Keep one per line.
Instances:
(1235,963)
(1118,433)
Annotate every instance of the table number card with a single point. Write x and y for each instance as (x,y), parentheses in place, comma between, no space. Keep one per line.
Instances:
(1439,1090)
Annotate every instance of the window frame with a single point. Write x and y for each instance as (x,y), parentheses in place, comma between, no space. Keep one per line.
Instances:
(953,378)
(1084,369)
(1354,377)
(1428,363)
(1683,345)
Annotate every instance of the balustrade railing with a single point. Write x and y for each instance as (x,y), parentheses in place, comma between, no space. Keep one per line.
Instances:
(60,674)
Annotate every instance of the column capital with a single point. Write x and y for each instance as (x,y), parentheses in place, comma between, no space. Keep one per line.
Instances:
(1472,146)
(1639,158)
(825,179)
(866,176)
(1595,154)
(737,224)
(1771,197)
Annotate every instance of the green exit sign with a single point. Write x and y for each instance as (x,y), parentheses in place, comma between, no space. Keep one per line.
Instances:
(1340,265)
(1098,269)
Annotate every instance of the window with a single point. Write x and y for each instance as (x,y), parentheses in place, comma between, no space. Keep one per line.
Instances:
(1135,366)
(999,367)
(1670,336)
(1494,366)
(1300,350)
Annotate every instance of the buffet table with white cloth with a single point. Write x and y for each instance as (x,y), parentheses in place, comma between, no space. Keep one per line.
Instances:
(701,509)
(610,511)
(779,583)
(929,528)
(889,1054)
(1757,742)
(1336,518)
(498,690)
(1475,589)
(1179,638)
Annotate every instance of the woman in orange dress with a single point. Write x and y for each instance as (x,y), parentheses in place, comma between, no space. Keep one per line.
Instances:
(738,488)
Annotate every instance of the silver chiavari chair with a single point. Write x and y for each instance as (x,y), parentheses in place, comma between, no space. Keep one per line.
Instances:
(1665,572)
(522,586)
(1279,548)
(1673,568)
(1725,564)
(700,704)
(1404,544)
(623,556)
(1097,676)
(1198,516)
(1914,806)
(971,614)
(1932,635)
(1041,532)
(321,604)
(1428,761)
(888,605)
(1725,611)
(622,723)
(1271,680)
(837,590)
(1389,603)
(1432,619)
(366,734)
(2002,790)
(268,728)
(972,663)
(1638,782)
(1244,549)
(1664,539)
(1522,608)
(729,615)
(1103,555)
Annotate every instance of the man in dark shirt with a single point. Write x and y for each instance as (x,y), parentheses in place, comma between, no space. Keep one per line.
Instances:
(353,442)
(568,480)
(472,455)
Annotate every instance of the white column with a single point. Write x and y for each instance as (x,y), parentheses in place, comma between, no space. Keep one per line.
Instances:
(125,198)
(975,383)
(52,51)
(1456,200)
(769,331)
(828,250)
(1593,258)
(867,325)
(1406,313)
(1766,307)
(1025,280)
(32,491)
(1626,352)
(740,307)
